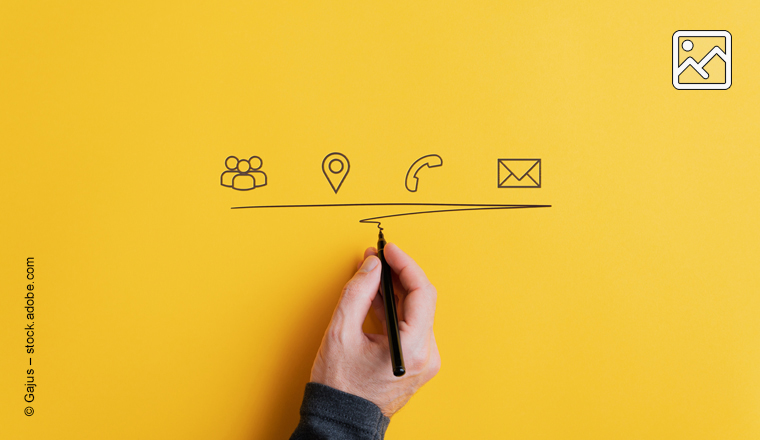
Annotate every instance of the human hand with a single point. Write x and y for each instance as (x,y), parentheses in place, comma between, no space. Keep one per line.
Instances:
(359,363)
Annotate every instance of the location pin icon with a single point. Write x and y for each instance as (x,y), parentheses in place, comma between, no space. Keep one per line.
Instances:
(335,166)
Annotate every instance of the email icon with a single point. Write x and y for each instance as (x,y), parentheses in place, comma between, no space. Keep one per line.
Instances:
(702,60)
(519,173)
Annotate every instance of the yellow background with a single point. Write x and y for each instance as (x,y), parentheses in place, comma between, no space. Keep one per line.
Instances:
(628,310)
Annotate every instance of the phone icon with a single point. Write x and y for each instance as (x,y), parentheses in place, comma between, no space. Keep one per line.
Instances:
(430,161)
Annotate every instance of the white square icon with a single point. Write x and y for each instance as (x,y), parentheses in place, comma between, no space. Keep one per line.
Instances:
(701,60)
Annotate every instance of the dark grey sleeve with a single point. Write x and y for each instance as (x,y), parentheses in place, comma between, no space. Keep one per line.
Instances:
(327,413)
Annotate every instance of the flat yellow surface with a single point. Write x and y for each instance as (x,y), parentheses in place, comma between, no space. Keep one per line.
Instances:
(630,309)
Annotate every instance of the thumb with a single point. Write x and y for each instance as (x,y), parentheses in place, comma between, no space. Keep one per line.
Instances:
(357,296)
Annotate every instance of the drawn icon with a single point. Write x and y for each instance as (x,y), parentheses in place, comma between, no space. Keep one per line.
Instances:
(712,71)
(519,173)
(335,166)
(243,174)
(430,161)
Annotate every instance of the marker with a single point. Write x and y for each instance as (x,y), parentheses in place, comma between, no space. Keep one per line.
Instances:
(389,301)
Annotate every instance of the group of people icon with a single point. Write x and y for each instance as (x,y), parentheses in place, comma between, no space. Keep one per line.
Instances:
(243,174)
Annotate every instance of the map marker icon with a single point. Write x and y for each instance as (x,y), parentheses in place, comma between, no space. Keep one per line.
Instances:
(335,166)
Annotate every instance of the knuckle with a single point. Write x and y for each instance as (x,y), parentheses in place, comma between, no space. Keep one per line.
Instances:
(433,292)
(334,334)
(416,363)
(435,364)
(338,339)
(424,361)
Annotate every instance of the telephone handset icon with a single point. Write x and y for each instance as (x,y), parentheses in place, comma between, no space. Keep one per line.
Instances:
(430,161)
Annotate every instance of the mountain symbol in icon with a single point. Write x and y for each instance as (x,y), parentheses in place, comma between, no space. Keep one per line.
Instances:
(688,70)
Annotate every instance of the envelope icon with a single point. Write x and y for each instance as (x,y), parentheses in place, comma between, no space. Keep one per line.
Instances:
(519,173)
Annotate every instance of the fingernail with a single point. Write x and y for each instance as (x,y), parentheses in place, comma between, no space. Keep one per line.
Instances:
(369,264)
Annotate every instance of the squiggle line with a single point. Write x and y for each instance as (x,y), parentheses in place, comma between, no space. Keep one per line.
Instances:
(371,221)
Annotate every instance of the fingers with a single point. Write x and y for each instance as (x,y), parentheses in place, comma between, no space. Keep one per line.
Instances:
(377,301)
(409,273)
(357,297)
(419,303)
(379,309)
(369,251)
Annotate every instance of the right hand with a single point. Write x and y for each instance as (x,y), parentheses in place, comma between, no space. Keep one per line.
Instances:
(359,363)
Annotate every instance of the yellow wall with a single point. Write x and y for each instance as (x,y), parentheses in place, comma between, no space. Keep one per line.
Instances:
(627,310)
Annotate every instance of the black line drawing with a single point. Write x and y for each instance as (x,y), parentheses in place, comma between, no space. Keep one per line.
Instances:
(512,173)
(243,174)
(430,161)
(375,220)
(335,166)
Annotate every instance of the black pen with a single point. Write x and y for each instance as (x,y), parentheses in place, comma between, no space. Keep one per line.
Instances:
(389,301)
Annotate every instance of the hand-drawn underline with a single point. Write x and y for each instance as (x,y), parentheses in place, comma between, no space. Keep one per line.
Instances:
(456,207)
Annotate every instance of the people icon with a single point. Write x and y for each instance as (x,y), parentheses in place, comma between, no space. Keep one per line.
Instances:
(243,174)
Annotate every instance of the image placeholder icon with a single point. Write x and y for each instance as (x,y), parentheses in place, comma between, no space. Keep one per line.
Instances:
(702,60)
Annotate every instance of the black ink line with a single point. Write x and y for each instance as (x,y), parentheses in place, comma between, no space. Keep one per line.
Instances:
(389,204)
(373,220)
(367,220)
(483,208)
